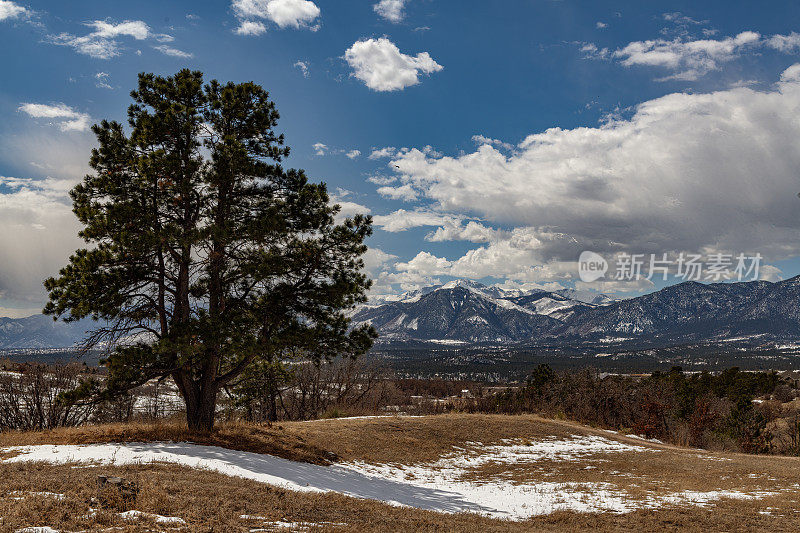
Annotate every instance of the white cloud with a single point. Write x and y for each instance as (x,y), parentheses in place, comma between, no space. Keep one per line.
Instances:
(785,43)
(130,28)
(402,220)
(347,208)
(322,149)
(303,66)
(403,192)
(689,58)
(679,18)
(601,25)
(89,45)
(66,117)
(791,74)
(513,256)
(481,139)
(391,10)
(678,175)
(591,51)
(407,281)
(10,10)
(426,263)
(382,67)
(386,151)
(770,273)
(382,180)
(250,27)
(285,13)
(375,258)
(96,48)
(16,312)
(103,42)
(451,226)
(102,81)
(472,232)
(173,52)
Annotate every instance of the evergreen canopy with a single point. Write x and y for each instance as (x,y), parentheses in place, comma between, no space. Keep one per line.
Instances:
(206,256)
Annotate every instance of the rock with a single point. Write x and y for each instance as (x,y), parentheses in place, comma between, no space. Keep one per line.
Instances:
(115,492)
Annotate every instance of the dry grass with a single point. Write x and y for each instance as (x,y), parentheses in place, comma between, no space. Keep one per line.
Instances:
(219,506)
(213,502)
(419,439)
(235,436)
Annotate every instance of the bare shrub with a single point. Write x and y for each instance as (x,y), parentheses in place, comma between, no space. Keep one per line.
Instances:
(306,390)
(29,397)
(783,393)
(716,411)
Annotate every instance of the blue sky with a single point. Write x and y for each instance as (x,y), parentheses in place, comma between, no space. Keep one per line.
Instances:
(490,140)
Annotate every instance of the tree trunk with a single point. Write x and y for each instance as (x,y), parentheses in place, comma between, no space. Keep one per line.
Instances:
(273,406)
(272,392)
(200,410)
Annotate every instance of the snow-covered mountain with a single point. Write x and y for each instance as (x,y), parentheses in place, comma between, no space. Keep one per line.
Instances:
(696,311)
(469,312)
(465,312)
(40,331)
(589,297)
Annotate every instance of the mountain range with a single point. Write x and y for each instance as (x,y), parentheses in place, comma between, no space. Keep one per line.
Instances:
(40,332)
(462,313)
(466,312)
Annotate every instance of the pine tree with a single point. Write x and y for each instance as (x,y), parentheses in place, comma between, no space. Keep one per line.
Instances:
(204,255)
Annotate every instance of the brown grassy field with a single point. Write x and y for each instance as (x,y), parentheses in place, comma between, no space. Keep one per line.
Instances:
(209,501)
(235,436)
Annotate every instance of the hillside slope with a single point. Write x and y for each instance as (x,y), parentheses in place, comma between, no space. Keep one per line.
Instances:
(537,473)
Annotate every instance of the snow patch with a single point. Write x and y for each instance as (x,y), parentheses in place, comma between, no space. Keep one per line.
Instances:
(446,341)
(21,495)
(444,485)
(134,515)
